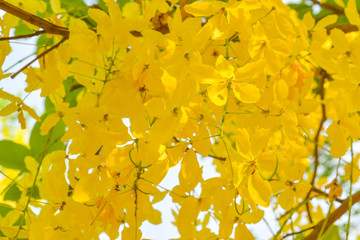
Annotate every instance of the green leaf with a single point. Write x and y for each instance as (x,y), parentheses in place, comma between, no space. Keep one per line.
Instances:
(73,89)
(301,9)
(72,4)
(12,154)
(35,194)
(122,3)
(103,6)
(49,107)
(332,233)
(44,41)
(52,143)
(71,97)
(37,141)
(13,193)
(78,9)
(4,209)
(22,29)
(18,223)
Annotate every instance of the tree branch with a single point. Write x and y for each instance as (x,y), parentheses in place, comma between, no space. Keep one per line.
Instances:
(295,233)
(345,27)
(38,57)
(324,75)
(314,189)
(216,157)
(333,216)
(35,20)
(23,36)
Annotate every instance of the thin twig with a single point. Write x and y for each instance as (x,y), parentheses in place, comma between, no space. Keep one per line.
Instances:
(351,187)
(20,61)
(228,155)
(102,208)
(217,158)
(164,188)
(23,43)
(37,33)
(295,233)
(314,189)
(323,119)
(136,202)
(210,155)
(94,78)
(12,180)
(38,57)
(222,128)
(268,225)
(324,75)
(32,189)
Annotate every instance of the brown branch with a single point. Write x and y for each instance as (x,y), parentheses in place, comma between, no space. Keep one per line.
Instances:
(335,215)
(321,92)
(314,189)
(210,155)
(324,75)
(295,233)
(35,20)
(345,27)
(38,57)
(77,86)
(216,157)
(23,36)
(308,211)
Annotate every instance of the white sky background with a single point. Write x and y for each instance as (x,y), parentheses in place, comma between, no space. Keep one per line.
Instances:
(24,47)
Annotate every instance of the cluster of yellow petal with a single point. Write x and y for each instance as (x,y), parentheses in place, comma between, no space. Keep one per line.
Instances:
(244,83)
